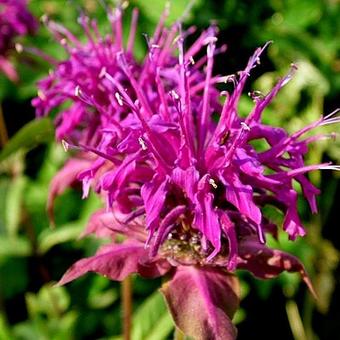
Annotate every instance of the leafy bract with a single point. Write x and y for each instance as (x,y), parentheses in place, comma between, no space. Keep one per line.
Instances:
(202,302)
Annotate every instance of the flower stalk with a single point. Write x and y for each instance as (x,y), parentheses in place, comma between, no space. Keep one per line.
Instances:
(3,129)
(126,289)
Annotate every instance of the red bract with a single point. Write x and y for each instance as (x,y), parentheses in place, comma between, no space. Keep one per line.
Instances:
(187,192)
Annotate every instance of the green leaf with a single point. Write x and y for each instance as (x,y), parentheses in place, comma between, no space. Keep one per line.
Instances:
(162,328)
(239,316)
(49,315)
(50,300)
(4,329)
(14,205)
(152,320)
(14,277)
(4,186)
(67,232)
(25,331)
(51,237)
(101,294)
(18,246)
(153,9)
(34,133)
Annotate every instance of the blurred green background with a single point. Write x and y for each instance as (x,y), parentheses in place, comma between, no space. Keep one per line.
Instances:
(33,256)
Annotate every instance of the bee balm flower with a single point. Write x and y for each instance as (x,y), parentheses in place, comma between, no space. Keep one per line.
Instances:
(188,191)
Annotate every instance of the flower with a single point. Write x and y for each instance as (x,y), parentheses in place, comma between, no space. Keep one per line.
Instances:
(15,20)
(186,189)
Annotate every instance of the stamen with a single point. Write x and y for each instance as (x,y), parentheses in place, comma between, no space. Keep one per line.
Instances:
(332,114)
(174,42)
(119,99)
(331,167)
(255,95)
(77,91)
(330,119)
(82,96)
(125,5)
(44,18)
(65,145)
(41,95)
(212,183)
(290,75)
(174,94)
(209,40)
(245,126)
(19,48)
(142,143)
(231,79)
(102,72)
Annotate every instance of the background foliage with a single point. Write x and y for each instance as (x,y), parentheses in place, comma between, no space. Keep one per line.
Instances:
(33,256)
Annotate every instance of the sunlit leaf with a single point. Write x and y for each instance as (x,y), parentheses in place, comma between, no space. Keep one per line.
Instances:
(153,8)
(18,246)
(101,294)
(48,313)
(51,237)
(53,300)
(152,321)
(14,200)
(5,332)
(32,134)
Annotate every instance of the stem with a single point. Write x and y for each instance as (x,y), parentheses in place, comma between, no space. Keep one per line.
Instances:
(295,321)
(315,240)
(308,309)
(127,307)
(3,129)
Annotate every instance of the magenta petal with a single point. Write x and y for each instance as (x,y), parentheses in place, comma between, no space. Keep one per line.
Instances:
(63,180)
(241,196)
(266,263)
(117,261)
(310,192)
(202,302)
(154,194)
(248,165)
(206,218)
(229,229)
(114,181)
(186,180)
(104,223)
(292,224)
(165,227)
(100,224)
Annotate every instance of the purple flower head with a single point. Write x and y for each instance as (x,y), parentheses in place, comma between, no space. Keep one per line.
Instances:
(186,190)
(200,185)
(15,20)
